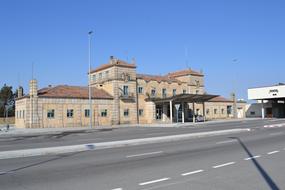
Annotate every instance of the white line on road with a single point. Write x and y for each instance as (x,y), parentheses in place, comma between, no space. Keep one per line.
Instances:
(223,142)
(193,172)
(278,133)
(144,154)
(222,165)
(118,189)
(273,152)
(250,158)
(154,181)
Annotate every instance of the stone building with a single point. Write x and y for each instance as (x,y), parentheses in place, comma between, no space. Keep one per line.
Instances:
(121,96)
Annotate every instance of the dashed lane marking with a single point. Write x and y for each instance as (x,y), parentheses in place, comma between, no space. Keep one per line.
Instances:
(222,165)
(118,189)
(193,172)
(273,152)
(144,154)
(154,181)
(278,133)
(253,157)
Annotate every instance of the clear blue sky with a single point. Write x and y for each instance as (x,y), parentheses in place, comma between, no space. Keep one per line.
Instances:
(53,35)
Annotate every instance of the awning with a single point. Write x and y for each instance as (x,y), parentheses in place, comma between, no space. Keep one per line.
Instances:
(183,98)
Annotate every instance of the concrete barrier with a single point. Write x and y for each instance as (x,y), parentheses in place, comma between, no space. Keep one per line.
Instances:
(112,144)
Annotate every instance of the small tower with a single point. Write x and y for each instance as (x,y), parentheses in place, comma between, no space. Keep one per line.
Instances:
(33,88)
(20,92)
(34,116)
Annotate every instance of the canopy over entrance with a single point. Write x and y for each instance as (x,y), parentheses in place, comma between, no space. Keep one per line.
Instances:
(180,101)
(183,98)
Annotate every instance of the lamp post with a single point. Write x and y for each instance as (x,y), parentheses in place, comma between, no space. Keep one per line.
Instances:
(89,84)
(234,91)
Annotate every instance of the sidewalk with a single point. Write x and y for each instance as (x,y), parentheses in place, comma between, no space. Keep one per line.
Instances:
(13,131)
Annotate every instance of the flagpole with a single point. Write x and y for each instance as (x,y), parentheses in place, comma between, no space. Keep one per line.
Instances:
(89,84)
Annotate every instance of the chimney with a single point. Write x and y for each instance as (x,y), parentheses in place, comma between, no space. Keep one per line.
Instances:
(20,91)
(33,88)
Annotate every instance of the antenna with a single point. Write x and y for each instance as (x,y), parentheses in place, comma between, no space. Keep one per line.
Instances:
(127,56)
(18,78)
(186,58)
(32,70)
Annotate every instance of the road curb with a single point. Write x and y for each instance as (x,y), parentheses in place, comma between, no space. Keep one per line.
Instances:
(112,144)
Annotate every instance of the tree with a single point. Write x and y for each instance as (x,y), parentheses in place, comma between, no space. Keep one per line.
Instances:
(7,99)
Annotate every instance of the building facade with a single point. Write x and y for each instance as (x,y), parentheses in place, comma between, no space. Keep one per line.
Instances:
(270,101)
(122,96)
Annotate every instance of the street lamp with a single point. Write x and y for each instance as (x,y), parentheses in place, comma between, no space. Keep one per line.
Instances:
(89,89)
(234,91)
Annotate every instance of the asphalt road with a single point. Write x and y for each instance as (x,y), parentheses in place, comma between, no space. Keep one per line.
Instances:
(104,135)
(252,160)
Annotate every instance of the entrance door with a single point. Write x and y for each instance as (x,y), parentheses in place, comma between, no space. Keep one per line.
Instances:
(158,113)
(269,112)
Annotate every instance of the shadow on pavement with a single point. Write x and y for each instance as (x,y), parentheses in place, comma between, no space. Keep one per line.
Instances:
(39,163)
(263,173)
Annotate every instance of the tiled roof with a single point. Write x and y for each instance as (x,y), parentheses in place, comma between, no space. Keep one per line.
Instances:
(157,78)
(220,99)
(114,62)
(184,72)
(64,91)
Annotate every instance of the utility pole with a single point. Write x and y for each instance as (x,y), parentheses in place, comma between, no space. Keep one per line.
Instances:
(89,84)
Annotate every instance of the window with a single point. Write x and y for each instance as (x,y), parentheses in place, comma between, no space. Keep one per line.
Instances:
(100,76)
(174,92)
(153,92)
(107,74)
(128,77)
(222,110)
(184,91)
(23,113)
(207,111)
(104,113)
(140,112)
(215,111)
(69,113)
(164,92)
(126,112)
(87,113)
(17,114)
(20,113)
(252,113)
(197,91)
(126,90)
(50,113)
(229,110)
(140,90)
(94,78)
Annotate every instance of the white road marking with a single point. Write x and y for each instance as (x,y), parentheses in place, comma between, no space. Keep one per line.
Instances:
(273,134)
(118,189)
(144,154)
(228,141)
(273,152)
(193,172)
(250,158)
(154,181)
(222,165)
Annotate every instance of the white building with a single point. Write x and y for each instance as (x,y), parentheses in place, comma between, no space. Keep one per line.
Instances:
(270,101)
